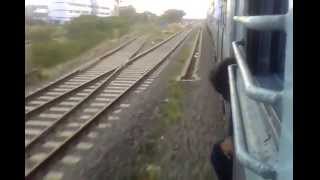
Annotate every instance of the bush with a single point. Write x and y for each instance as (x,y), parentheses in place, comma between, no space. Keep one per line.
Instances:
(78,35)
(30,21)
(172,16)
(81,26)
(84,26)
(52,53)
(40,34)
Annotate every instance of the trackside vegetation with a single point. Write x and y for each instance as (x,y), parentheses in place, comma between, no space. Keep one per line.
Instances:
(53,49)
(54,44)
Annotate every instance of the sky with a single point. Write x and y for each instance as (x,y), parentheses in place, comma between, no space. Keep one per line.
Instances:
(194,8)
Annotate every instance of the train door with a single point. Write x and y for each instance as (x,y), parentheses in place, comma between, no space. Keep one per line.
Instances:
(261,89)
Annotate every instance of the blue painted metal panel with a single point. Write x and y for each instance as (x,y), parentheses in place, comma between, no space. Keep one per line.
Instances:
(285,163)
(267,126)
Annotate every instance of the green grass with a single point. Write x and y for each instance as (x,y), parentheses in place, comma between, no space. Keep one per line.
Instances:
(184,54)
(150,163)
(172,111)
(55,44)
(156,34)
(147,165)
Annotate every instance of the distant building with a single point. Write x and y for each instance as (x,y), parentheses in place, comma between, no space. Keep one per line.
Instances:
(61,11)
(121,5)
(37,12)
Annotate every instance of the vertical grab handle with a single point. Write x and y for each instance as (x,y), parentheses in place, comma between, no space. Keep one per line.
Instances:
(241,153)
(252,91)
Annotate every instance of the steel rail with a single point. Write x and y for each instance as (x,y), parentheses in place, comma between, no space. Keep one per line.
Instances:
(114,72)
(188,63)
(41,107)
(66,114)
(84,126)
(74,72)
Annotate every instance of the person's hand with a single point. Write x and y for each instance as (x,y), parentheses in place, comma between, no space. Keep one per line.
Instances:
(227,147)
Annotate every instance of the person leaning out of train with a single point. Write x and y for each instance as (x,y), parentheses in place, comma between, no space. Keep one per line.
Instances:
(222,151)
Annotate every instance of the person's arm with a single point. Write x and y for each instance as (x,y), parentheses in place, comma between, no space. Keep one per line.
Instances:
(227,144)
(230,128)
(227,147)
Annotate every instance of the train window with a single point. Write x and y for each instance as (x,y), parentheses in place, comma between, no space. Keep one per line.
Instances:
(266,56)
(265,50)
(277,57)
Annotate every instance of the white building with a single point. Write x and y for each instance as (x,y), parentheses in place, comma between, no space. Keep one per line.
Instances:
(61,11)
(37,12)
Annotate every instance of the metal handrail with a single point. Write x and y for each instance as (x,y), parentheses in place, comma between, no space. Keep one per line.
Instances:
(251,89)
(265,22)
(250,162)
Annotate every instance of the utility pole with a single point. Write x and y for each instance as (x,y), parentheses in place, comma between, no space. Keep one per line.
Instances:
(116,8)
(94,7)
(27,39)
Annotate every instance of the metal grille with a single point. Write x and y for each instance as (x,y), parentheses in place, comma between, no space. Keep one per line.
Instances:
(282,169)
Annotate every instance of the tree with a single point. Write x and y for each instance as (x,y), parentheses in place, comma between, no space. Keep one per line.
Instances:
(128,11)
(82,26)
(173,15)
(144,17)
(150,16)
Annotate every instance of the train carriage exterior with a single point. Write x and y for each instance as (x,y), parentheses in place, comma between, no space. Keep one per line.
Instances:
(258,34)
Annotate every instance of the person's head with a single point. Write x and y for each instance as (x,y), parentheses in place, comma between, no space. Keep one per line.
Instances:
(219,77)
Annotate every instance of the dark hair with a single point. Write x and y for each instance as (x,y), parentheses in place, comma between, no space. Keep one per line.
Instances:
(219,77)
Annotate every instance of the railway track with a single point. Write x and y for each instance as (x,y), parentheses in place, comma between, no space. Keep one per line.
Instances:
(190,68)
(59,107)
(80,78)
(56,131)
(45,88)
